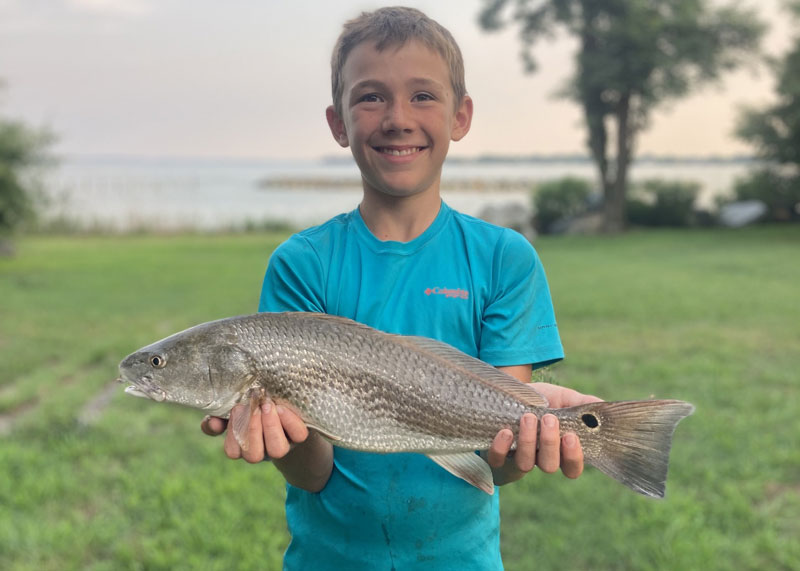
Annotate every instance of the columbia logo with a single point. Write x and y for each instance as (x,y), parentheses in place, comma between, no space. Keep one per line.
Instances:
(457,293)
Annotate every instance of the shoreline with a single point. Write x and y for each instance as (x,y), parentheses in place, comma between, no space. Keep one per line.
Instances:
(336,184)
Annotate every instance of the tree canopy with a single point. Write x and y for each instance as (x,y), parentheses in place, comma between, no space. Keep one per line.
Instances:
(774,131)
(633,56)
(21,147)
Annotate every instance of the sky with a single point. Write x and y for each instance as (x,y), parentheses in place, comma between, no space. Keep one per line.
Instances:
(250,79)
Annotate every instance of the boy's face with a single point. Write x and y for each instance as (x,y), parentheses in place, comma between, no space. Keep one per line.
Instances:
(398,117)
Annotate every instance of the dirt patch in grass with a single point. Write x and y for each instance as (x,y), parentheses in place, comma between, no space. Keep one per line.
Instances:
(94,407)
(8,418)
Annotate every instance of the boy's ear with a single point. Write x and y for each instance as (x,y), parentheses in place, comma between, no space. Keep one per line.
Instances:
(337,126)
(462,119)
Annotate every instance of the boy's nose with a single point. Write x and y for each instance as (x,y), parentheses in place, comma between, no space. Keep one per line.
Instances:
(397,119)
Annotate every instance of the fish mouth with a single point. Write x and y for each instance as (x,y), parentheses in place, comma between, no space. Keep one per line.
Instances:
(144,388)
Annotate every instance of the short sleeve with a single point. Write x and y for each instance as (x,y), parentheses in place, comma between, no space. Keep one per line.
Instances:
(518,323)
(293,280)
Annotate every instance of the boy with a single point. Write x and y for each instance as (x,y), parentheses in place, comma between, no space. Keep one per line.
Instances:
(394,263)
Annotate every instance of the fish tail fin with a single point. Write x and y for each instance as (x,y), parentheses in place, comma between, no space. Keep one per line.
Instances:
(631,440)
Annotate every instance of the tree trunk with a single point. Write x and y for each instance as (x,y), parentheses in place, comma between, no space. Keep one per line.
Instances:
(615,192)
(595,108)
(613,210)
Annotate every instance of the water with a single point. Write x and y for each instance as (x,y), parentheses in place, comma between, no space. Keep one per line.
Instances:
(124,194)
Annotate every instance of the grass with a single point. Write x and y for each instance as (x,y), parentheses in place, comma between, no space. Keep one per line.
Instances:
(93,479)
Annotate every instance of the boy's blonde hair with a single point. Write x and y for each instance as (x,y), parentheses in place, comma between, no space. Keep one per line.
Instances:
(394,26)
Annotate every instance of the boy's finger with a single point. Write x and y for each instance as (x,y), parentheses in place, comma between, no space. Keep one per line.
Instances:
(277,445)
(525,455)
(213,425)
(571,456)
(255,438)
(549,455)
(293,425)
(501,445)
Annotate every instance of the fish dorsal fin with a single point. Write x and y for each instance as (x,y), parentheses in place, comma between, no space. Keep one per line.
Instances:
(469,467)
(524,392)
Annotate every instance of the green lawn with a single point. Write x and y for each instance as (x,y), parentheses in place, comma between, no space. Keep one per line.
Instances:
(93,479)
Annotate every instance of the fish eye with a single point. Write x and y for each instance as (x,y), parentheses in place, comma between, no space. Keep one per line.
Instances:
(158,361)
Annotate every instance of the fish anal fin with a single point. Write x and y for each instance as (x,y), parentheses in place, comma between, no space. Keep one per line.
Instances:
(469,467)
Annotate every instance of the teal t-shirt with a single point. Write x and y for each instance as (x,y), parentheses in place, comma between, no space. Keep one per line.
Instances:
(478,287)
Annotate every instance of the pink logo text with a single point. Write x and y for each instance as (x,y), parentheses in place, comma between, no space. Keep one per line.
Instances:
(456,293)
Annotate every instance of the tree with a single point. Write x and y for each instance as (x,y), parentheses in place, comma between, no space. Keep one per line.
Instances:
(633,56)
(21,148)
(775,132)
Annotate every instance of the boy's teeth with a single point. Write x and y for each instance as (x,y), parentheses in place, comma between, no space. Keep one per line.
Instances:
(400,152)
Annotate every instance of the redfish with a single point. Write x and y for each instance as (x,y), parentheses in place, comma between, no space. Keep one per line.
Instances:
(367,390)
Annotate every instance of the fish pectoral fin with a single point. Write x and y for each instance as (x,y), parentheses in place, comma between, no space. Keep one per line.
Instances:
(469,467)
(239,427)
(241,422)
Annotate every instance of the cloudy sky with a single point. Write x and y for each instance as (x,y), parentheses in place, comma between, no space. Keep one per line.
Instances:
(251,79)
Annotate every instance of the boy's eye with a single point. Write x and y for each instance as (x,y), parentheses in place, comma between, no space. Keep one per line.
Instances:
(423,96)
(370,98)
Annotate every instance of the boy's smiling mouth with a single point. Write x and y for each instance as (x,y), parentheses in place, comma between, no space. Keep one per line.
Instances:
(399,151)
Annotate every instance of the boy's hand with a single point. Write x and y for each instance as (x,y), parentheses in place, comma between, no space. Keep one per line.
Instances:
(553,451)
(270,432)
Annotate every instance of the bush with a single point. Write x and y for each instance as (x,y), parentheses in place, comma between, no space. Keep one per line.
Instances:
(16,204)
(21,148)
(781,193)
(559,199)
(662,203)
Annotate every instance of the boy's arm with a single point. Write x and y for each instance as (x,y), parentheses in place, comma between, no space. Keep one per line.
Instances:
(553,451)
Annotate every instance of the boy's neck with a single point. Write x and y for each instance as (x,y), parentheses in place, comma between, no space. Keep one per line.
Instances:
(399,219)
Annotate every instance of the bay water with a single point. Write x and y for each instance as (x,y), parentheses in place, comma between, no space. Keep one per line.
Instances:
(123,194)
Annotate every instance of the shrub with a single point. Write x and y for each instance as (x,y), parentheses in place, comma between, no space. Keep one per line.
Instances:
(21,148)
(559,199)
(781,193)
(659,202)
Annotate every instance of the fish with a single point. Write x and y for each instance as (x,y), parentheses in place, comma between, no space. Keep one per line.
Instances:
(368,390)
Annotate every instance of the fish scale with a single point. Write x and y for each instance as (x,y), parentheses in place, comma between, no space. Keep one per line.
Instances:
(368,390)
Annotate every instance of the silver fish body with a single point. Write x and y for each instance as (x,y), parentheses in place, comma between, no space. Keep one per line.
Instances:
(372,391)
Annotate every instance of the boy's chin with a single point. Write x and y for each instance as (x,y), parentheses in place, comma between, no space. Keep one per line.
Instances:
(397,191)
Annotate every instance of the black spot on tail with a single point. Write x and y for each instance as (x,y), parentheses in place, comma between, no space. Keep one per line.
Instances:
(590,420)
